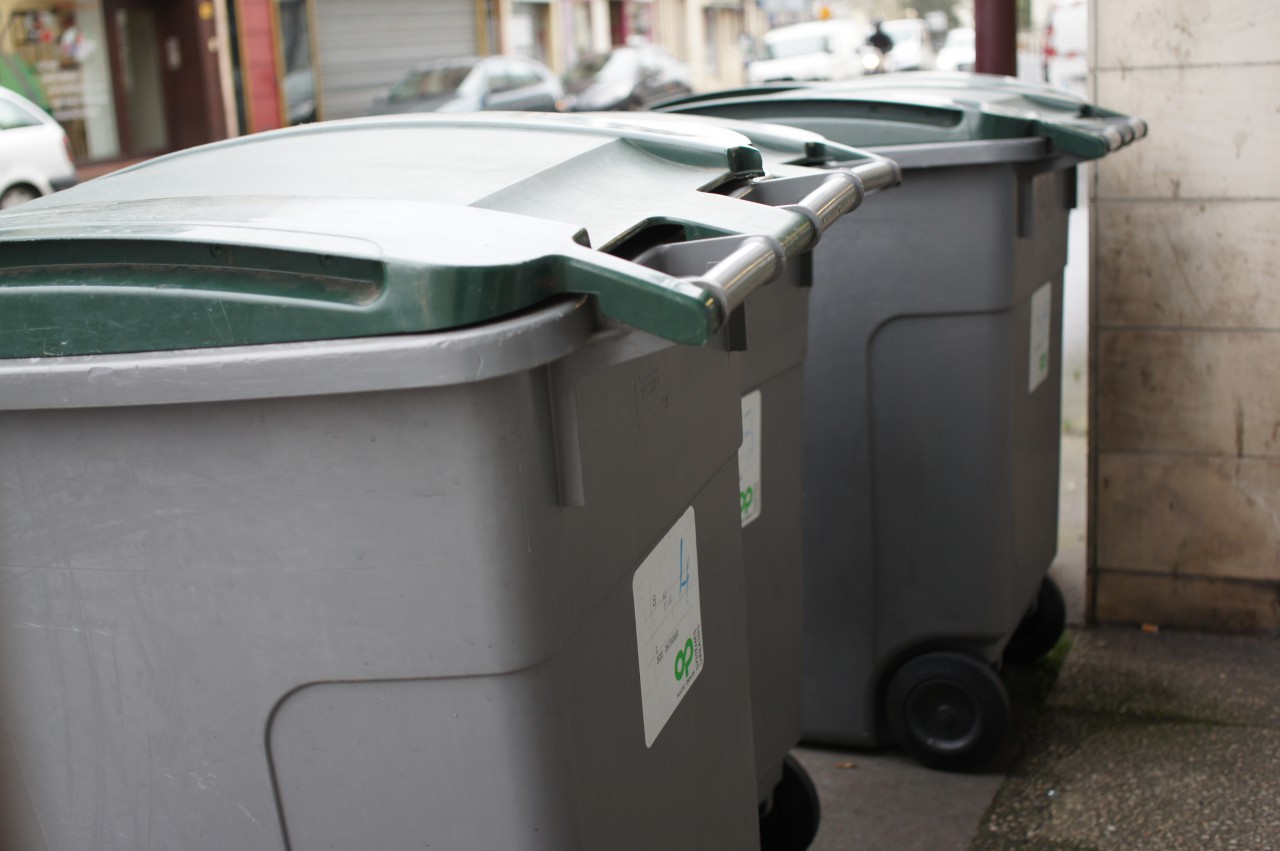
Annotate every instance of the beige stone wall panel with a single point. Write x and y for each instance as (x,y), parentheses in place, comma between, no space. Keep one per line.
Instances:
(1201,265)
(1214,133)
(1144,33)
(1177,602)
(1182,391)
(1189,516)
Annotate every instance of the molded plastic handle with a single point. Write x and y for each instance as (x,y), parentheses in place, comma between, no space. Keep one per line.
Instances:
(682,291)
(720,273)
(728,268)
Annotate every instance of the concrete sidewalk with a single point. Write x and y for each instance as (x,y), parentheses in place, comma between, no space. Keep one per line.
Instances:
(1149,741)
(1145,742)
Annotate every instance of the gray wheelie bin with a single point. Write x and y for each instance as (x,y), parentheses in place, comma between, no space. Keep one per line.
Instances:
(771,379)
(933,402)
(361,493)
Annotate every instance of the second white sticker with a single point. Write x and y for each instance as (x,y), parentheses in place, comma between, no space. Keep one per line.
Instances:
(749,457)
(1041,327)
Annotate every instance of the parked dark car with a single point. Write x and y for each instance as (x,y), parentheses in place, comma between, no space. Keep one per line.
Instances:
(474,83)
(625,78)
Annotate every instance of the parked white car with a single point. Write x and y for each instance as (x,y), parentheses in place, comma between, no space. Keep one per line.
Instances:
(912,45)
(818,50)
(957,53)
(34,152)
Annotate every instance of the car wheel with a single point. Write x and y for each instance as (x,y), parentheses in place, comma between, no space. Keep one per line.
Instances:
(15,195)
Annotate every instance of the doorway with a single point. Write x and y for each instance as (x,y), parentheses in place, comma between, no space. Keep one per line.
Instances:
(158,72)
(136,48)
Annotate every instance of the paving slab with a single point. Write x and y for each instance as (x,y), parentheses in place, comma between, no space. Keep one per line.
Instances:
(875,800)
(882,800)
(1209,679)
(1149,741)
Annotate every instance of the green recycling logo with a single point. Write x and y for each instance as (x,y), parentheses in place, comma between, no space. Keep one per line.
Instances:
(684,660)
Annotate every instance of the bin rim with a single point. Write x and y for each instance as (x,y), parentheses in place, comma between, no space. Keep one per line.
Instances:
(514,344)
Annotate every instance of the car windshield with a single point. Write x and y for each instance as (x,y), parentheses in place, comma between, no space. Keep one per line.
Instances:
(429,83)
(619,65)
(902,31)
(12,116)
(795,46)
(960,38)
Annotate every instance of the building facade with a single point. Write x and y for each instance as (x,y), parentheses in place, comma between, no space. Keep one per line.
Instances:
(135,78)
(709,35)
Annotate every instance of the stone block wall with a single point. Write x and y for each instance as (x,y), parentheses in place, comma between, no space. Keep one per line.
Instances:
(1185,400)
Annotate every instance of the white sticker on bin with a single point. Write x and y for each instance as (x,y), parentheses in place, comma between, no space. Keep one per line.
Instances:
(1041,325)
(749,457)
(668,624)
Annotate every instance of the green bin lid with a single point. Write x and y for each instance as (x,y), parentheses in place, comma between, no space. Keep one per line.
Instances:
(921,108)
(374,226)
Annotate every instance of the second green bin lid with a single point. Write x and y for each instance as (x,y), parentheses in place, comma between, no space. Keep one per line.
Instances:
(922,108)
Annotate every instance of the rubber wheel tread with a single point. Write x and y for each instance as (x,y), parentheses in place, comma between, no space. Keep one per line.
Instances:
(948,710)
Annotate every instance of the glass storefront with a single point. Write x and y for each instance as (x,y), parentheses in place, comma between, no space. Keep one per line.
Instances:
(580,30)
(640,21)
(58,55)
(530,23)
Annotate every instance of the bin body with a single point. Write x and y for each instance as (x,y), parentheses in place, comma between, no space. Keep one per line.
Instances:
(931,487)
(932,384)
(365,619)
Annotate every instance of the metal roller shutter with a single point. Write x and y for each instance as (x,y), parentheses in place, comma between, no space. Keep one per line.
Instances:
(364,47)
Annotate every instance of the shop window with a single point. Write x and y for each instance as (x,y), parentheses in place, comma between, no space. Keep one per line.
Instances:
(530,23)
(56,54)
(640,23)
(711,40)
(298,73)
(581,43)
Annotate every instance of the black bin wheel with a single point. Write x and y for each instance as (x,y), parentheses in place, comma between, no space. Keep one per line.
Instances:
(791,822)
(948,710)
(1040,628)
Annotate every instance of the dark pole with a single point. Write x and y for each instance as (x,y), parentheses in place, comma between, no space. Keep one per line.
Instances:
(996,23)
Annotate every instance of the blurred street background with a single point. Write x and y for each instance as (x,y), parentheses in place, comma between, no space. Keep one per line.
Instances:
(133,78)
